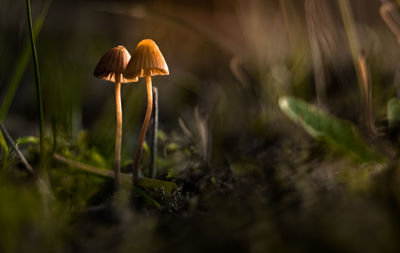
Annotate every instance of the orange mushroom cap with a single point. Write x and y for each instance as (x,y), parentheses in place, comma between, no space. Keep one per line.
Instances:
(114,63)
(147,59)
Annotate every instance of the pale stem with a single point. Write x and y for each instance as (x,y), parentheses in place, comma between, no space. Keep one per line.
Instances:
(118,135)
(143,130)
(152,172)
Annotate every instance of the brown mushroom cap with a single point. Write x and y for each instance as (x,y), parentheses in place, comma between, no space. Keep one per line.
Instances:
(146,60)
(114,63)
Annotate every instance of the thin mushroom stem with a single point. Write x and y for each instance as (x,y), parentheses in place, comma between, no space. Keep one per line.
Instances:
(152,172)
(143,130)
(118,135)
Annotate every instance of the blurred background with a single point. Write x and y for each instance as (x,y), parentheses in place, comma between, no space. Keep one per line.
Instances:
(232,59)
(229,62)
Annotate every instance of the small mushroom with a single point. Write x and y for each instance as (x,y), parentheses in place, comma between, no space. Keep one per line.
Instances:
(147,61)
(110,68)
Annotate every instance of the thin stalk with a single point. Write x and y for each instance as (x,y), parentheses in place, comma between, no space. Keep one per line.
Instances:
(352,36)
(351,30)
(15,147)
(143,130)
(21,65)
(389,12)
(37,77)
(316,55)
(43,187)
(291,21)
(118,134)
(367,94)
(54,130)
(360,65)
(4,147)
(152,172)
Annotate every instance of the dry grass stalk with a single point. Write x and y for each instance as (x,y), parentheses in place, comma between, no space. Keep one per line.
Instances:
(366,94)
(316,55)
(204,135)
(389,12)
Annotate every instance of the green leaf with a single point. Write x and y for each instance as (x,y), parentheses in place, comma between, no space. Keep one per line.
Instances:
(393,112)
(323,126)
(4,146)
(27,140)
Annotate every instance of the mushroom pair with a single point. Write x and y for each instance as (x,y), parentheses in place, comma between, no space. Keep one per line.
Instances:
(117,66)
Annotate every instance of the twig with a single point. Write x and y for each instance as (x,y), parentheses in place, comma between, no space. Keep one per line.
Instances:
(15,147)
(43,188)
(88,168)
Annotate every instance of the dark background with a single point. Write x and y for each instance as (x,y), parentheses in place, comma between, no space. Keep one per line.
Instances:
(266,186)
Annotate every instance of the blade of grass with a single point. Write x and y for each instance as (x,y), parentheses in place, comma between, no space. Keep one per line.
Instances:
(21,65)
(351,30)
(37,77)
(4,147)
(3,144)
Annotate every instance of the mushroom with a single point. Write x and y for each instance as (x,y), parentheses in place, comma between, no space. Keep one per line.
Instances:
(147,61)
(110,68)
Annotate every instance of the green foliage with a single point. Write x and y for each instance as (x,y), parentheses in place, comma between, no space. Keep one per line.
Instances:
(83,177)
(157,184)
(320,125)
(27,224)
(393,112)
(4,147)
(27,140)
(81,151)
(77,189)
